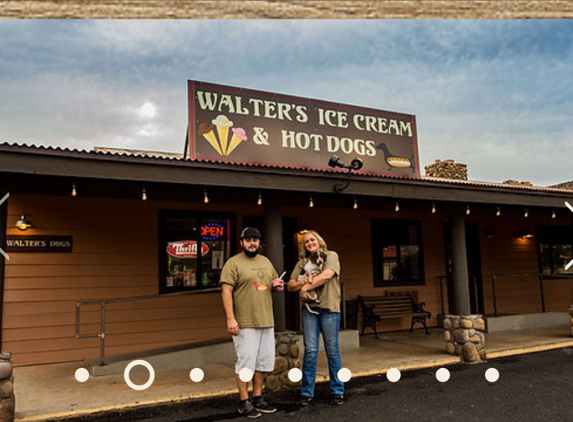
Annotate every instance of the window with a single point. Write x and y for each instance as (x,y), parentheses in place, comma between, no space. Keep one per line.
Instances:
(193,248)
(554,248)
(397,253)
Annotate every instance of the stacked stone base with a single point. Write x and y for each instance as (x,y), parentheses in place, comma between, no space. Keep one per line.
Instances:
(7,399)
(465,337)
(287,357)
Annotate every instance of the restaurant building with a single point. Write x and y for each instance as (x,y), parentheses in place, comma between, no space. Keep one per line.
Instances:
(137,239)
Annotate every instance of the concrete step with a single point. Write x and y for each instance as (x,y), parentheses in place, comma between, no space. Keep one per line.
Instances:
(527,321)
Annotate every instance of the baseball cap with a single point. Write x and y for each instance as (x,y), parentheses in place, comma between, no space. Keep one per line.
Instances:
(250,232)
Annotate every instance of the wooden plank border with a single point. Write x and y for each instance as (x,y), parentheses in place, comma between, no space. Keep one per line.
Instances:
(287,9)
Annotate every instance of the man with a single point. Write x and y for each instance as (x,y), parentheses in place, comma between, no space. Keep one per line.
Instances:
(246,283)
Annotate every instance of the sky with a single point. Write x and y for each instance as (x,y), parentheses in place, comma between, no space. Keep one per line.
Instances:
(496,95)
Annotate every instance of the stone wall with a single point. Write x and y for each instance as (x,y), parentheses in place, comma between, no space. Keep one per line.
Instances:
(465,337)
(447,169)
(287,357)
(7,399)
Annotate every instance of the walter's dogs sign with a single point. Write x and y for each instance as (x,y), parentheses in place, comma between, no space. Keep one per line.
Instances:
(46,244)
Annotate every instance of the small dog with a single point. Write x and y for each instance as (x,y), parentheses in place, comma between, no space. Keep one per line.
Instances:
(313,267)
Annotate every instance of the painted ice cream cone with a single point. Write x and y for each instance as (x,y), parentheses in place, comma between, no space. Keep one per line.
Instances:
(239,135)
(207,130)
(223,124)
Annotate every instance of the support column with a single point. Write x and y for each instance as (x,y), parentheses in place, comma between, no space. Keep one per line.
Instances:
(460,284)
(274,251)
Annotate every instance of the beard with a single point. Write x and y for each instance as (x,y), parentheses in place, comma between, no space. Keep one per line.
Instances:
(251,254)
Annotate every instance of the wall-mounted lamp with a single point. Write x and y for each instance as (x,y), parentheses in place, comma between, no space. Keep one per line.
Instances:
(23,223)
(205,196)
(355,164)
(526,235)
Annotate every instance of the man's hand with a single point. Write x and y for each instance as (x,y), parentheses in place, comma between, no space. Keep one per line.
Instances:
(233,327)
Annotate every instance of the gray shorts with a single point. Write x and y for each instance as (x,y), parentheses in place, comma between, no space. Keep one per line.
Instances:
(255,348)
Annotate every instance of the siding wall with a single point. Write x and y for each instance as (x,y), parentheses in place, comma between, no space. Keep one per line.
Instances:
(115,255)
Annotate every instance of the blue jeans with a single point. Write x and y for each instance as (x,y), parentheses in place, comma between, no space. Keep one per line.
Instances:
(327,323)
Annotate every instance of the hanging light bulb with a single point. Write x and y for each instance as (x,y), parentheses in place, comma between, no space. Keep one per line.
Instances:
(355,206)
(260,200)
(143,194)
(553,214)
(498,212)
(205,196)
(433,207)
(74,191)
(310,202)
(526,213)
(468,210)
(396,207)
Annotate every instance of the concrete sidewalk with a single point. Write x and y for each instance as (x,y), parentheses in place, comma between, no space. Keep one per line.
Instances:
(49,392)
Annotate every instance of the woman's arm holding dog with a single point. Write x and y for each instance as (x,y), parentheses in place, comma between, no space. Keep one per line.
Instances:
(318,280)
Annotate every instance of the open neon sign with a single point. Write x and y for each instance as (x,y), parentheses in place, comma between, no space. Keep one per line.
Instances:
(212,231)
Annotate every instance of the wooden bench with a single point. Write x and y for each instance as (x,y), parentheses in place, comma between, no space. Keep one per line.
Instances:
(376,308)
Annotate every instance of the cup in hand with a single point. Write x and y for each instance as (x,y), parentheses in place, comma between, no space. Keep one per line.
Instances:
(278,284)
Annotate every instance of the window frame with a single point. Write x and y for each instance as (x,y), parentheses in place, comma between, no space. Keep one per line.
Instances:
(377,230)
(200,217)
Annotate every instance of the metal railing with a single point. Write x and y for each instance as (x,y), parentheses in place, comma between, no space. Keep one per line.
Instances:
(103,303)
(494,278)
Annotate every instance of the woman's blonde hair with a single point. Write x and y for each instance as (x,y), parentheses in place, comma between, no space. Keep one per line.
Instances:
(303,254)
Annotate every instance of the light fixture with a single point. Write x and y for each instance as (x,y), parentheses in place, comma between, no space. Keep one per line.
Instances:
(74,191)
(433,207)
(498,212)
(396,207)
(355,206)
(526,213)
(23,223)
(553,214)
(526,235)
(205,196)
(355,164)
(468,210)
(260,199)
(310,201)
(143,194)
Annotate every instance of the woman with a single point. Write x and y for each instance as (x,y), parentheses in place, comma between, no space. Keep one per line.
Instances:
(322,316)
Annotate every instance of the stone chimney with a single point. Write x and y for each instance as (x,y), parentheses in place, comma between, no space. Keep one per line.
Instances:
(447,169)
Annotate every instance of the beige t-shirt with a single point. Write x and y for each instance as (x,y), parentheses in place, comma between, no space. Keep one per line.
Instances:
(328,293)
(251,279)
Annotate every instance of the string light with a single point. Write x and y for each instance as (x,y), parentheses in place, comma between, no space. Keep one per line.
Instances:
(205,196)
(553,214)
(74,191)
(433,207)
(260,200)
(310,202)
(498,212)
(143,194)
(468,210)
(396,207)
(526,213)
(355,206)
